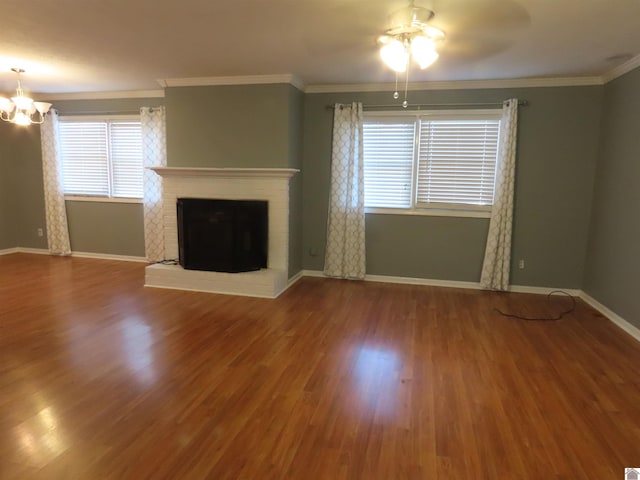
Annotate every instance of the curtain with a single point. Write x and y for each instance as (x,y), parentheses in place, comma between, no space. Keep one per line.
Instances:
(154,152)
(497,257)
(55,209)
(345,255)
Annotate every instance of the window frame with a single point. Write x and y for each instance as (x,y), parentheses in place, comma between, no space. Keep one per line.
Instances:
(446,210)
(76,197)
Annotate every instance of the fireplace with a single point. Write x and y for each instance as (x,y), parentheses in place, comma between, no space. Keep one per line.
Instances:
(219,235)
(269,186)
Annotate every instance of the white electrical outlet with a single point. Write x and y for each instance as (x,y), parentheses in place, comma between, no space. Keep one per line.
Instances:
(521,264)
(40,232)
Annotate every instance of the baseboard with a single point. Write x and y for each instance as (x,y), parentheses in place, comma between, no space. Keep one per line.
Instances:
(99,256)
(291,282)
(38,251)
(432,282)
(543,290)
(611,315)
(109,256)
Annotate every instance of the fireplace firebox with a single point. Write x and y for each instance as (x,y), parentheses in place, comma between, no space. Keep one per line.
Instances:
(220,235)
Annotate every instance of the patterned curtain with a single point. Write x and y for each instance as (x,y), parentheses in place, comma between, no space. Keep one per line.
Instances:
(345,256)
(154,152)
(55,209)
(497,256)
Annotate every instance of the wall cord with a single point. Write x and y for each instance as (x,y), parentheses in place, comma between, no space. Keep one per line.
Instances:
(543,319)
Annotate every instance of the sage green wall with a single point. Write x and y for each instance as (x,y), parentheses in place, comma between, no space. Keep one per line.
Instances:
(28,189)
(115,228)
(557,154)
(7,231)
(228,126)
(613,259)
(296,112)
(95,227)
(20,187)
(240,126)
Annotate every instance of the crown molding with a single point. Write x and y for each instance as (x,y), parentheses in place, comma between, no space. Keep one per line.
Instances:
(461,84)
(232,80)
(100,95)
(620,70)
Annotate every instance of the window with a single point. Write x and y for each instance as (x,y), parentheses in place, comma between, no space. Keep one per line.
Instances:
(102,157)
(436,162)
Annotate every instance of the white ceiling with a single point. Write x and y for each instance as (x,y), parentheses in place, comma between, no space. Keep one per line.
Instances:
(113,45)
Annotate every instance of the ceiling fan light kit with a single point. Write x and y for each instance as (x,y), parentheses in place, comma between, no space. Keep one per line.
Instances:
(21,109)
(409,37)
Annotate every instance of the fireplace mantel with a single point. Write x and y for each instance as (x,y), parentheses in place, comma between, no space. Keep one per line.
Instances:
(225,172)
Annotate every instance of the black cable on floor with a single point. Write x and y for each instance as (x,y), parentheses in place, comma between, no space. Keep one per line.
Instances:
(543,319)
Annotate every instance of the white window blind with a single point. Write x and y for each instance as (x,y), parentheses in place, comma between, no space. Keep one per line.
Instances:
(457,162)
(102,158)
(388,166)
(436,160)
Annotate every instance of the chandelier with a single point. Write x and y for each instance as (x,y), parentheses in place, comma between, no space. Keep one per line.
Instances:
(409,37)
(20,109)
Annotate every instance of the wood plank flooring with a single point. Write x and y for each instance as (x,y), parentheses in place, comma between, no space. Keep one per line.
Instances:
(101,378)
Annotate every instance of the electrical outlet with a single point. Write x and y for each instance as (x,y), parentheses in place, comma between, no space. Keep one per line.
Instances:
(40,232)
(521,264)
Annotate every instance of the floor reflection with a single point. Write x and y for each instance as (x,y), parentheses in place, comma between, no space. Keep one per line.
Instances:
(376,376)
(40,438)
(138,342)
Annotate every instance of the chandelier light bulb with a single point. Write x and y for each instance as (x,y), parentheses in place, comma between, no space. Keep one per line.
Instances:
(21,102)
(22,119)
(423,51)
(395,55)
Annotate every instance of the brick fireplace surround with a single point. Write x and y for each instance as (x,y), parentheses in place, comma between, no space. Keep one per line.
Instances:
(270,184)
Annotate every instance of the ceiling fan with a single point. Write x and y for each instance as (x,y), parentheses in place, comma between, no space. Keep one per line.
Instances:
(410,37)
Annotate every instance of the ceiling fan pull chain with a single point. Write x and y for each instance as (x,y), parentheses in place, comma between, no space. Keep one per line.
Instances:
(405,104)
(396,95)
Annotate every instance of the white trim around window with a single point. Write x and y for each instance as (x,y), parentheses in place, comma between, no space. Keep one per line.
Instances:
(88,198)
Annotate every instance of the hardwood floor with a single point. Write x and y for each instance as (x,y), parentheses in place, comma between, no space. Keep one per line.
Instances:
(101,378)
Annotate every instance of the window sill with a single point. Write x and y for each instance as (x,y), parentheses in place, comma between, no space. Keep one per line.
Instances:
(82,198)
(430,212)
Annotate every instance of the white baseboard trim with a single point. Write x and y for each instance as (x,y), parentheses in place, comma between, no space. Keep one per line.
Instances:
(432,282)
(39,251)
(36,251)
(611,315)
(109,256)
(291,282)
(543,290)
(99,256)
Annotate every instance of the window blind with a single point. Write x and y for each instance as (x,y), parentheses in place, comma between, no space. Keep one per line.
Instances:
(457,162)
(126,159)
(83,148)
(388,165)
(102,158)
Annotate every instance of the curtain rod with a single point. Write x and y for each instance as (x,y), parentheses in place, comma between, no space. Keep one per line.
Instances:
(99,112)
(103,112)
(522,103)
